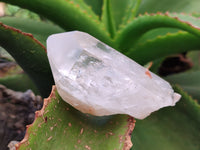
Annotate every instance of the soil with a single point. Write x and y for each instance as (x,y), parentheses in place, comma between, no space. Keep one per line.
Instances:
(17,109)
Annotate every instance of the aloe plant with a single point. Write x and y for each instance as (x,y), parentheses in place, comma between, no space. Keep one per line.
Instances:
(144,30)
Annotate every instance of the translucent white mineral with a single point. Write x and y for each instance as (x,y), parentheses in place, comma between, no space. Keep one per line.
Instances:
(96,79)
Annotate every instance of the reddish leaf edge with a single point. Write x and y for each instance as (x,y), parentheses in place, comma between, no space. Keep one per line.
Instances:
(168,14)
(23,33)
(37,114)
(40,113)
(125,34)
(131,125)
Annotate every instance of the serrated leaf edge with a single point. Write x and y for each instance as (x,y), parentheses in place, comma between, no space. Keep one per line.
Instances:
(38,114)
(127,141)
(123,34)
(23,33)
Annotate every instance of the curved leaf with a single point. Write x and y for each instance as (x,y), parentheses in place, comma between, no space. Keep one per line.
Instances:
(196,14)
(123,11)
(189,81)
(107,17)
(172,128)
(192,20)
(164,45)
(58,123)
(133,31)
(35,63)
(8,67)
(194,57)
(40,30)
(19,82)
(153,6)
(13,77)
(70,15)
(15,11)
(117,13)
(152,34)
(96,6)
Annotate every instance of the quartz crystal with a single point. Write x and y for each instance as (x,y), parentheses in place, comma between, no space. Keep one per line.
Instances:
(96,79)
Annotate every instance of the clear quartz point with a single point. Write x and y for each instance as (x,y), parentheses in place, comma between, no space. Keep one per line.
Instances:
(96,79)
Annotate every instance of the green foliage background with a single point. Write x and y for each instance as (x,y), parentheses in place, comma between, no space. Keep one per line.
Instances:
(144,30)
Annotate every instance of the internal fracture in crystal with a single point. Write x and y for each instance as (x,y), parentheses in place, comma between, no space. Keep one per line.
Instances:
(96,79)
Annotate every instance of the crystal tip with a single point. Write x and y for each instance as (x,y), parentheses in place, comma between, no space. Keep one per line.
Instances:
(176,98)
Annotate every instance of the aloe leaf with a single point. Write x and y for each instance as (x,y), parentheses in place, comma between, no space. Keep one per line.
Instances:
(194,57)
(12,76)
(81,5)
(144,45)
(152,6)
(189,81)
(40,30)
(19,82)
(189,105)
(107,17)
(8,67)
(96,6)
(162,46)
(196,14)
(15,11)
(172,128)
(70,15)
(58,123)
(34,63)
(152,34)
(117,13)
(129,35)
(193,21)
(124,11)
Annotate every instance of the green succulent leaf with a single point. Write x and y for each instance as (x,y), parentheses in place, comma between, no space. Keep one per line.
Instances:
(189,81)
(122,11)
(174,128)
(191,20)
(171,43)
(81,5)
(127,37)
(96,6)
(13,77)
(40,30)
(107,18)
(196,14)
(145,38)
(15,11)
(60,126)
(194,57)
(19,82)
(70,15)
(34,63)
(117,13)
(153,6)
(152,34)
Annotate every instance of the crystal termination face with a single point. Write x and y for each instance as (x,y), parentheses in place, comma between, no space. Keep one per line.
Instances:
(96,79)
